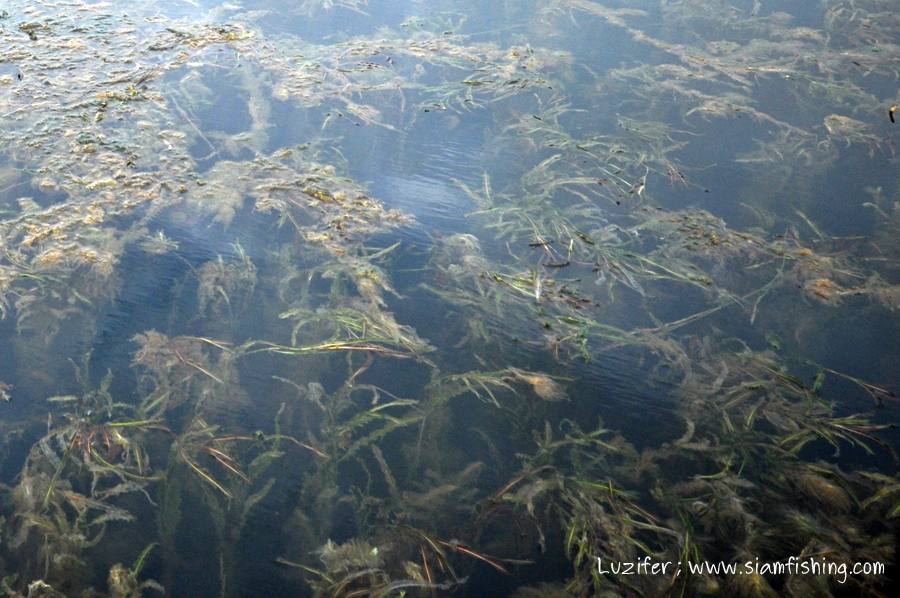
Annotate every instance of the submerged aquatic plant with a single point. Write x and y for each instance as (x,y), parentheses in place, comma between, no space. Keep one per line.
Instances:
(322,375)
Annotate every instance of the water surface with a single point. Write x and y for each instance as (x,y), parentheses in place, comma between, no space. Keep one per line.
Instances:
(383,298)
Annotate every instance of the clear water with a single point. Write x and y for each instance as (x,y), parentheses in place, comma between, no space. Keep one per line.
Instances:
(347,298)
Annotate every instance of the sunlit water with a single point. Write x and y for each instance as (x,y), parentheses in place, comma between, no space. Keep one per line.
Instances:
(363,298)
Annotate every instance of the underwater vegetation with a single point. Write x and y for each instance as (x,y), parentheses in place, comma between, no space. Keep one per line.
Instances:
(656,319)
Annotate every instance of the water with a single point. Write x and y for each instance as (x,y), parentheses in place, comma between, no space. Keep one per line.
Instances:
(355,298)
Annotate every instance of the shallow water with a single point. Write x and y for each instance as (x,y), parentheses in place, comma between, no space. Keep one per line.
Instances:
(352,298)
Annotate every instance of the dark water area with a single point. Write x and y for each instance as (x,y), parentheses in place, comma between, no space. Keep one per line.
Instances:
(407,298)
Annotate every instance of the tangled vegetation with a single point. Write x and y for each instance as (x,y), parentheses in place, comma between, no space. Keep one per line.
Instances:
(232,368)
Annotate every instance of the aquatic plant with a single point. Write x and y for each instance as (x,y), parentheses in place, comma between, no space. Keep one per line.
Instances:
(327,396)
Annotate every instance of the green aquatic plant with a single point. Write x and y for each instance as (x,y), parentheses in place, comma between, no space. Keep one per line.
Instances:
(173,371)
(76,478)
(358,327)
(123,581)
(225,289)
(300,382)
(356,568)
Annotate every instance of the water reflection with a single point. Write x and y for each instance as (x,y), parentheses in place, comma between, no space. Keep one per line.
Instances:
(353,298)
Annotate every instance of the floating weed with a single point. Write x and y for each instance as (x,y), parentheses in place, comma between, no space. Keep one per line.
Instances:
(574,250)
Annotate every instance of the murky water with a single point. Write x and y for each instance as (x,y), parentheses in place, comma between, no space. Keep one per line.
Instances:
(409,298)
